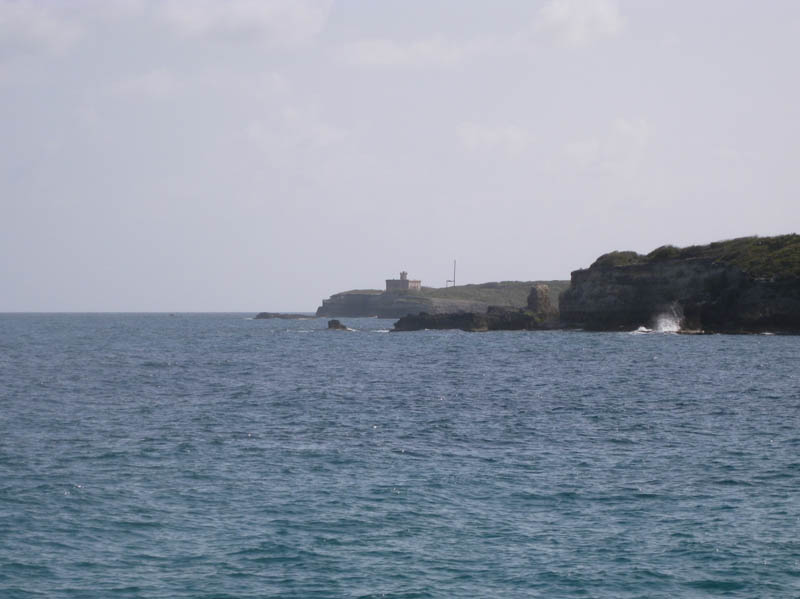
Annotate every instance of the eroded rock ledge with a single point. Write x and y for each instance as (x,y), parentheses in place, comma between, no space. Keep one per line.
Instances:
(538,315)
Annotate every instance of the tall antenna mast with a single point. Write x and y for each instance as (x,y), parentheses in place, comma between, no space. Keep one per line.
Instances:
(453,280)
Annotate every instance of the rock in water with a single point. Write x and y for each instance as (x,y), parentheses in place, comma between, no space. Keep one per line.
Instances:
(497,318)
(335,325)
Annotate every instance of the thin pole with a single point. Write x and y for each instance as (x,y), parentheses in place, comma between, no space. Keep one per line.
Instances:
(453,280)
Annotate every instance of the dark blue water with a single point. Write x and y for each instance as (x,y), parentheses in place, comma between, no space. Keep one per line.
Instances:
(215,456)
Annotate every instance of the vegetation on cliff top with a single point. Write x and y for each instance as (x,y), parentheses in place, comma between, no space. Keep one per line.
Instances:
(360,292)
(504,293)
(758,256)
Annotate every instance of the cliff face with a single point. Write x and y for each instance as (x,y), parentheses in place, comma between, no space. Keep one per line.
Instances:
(350,304)
(538,315)
(392,305)
(704,288)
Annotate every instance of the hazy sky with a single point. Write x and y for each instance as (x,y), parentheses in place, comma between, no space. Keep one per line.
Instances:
(193,155)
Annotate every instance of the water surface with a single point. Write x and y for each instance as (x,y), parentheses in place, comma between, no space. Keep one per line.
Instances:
(210,455)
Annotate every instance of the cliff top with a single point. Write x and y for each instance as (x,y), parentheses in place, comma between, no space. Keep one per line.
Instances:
(360,292)
(758,256)
(503,293)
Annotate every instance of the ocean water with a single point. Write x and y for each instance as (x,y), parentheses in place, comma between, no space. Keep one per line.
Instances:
(214,456)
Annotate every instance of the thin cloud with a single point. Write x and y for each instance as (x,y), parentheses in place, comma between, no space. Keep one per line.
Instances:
(29,27)
(154,84)
(482,137)
(619,153)
(432,52)
(571,22)
(291,129)
(273,21)
(579,22)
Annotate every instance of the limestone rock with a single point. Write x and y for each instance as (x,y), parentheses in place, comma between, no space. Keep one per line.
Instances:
(539,301)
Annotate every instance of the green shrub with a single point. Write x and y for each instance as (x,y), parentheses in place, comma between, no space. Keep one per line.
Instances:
(758,256)
(613,259)
(665,252)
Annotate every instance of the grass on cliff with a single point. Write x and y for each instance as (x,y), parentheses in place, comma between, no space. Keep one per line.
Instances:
(361,292)
(758,256)
(504,293)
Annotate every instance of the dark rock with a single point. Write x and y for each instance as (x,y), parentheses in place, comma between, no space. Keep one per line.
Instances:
(497,318)
(353,304)
(539,315)
(336,325)
(713,293)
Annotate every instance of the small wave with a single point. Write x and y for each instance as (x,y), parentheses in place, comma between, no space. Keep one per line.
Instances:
(716,585)
(621,441)
(381,331)
(641,331)
(663,324)
(731,482)
(155,364)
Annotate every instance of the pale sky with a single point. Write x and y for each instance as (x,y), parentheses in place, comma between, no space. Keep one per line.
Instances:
(201,155)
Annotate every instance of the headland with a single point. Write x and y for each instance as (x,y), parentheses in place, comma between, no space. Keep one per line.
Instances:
(749,284)
(404,296)
(743,285)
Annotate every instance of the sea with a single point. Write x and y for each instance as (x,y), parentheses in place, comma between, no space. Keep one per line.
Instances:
(218,456)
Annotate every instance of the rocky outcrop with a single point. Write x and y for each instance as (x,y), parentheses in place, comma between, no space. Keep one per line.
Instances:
(352,304)
(465,321)
(744,285)
(335,325)
(539,315)
(495,319)
(392,305)
(539,302)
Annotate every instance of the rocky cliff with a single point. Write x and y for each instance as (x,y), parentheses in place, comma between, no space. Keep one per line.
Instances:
(538,314)
(749,284)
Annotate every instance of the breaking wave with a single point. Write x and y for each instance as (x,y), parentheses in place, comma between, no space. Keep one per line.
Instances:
(669,321)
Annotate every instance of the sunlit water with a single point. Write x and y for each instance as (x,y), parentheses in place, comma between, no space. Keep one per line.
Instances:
(216,456)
